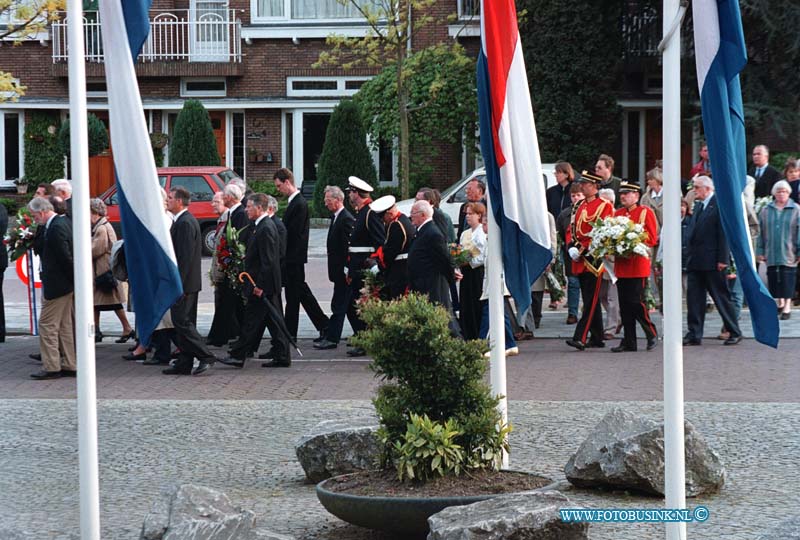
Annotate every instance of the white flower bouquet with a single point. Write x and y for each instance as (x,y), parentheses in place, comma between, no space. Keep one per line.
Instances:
(618,236)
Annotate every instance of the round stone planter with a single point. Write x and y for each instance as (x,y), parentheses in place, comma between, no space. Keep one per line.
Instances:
(403,517)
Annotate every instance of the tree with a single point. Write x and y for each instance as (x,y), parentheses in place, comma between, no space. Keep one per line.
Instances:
(442,103)
(391,24)
(574,75)
(344,154)
(26,18)
(98,136)
(193,142)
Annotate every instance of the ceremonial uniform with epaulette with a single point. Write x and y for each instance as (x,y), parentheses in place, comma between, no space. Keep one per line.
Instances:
(586,267)
(632,273)
(392,257)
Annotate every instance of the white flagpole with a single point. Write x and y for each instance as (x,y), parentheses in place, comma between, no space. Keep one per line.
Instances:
(84,302)
(674,454)
(497,335)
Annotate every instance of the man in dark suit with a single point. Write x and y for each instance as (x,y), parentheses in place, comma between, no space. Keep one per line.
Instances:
(430,270)
(272,207)
(708,259)
(392,257)
(765,174)
(56,332)
(338,239)
(297,290)
(262,263)
(187,242)
(476,192)
(3,266)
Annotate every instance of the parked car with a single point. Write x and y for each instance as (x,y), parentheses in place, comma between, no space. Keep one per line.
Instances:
(454,196)
(202,183)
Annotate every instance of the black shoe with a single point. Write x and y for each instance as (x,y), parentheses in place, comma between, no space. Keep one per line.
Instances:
(575,343)
(733,340)
(231,361)
(175,353)
(356,352)
(133,347)
(35,356)
(42,375)
(174,371)
(322,336)
(203,367)
(651,343)
(98,336)
(691,342)
(572,319)
(325,345)
(133,357)
(275,363)
(622,348)
(69,373)
(786,316)
(595,345)
(269,355)
(125,337)
(155,362)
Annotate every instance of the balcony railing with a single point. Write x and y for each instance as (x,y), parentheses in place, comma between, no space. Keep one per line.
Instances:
(641,32)
(177,36)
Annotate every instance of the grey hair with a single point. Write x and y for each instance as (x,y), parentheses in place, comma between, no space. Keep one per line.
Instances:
(424,207)
(97,207)
(272,203)
(704,181)
(335,192)
(239,183)
(62,185)
(234,190)
(656,175)
(40,204)
(780,184)
(607,194)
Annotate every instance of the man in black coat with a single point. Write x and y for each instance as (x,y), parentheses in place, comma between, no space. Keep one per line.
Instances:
(392,258)
(188,245)
(297,290)
(3,266)
(56,331)
(272,207)
(708,259)
(262,263)
(336,244)
(765,174)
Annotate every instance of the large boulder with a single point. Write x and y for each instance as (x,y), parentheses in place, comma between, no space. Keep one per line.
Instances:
(337,447)
(522,516)
(625,451)
(785,530)
(190,512)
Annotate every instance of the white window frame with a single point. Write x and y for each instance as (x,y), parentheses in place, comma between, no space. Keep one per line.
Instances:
(340,91)
(466,16)
(375,152)
(20,114)
(255,18)
(92,93)
(204,93)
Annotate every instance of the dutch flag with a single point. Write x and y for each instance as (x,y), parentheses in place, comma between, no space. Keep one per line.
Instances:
(152,269)
(511,151)
(720,55)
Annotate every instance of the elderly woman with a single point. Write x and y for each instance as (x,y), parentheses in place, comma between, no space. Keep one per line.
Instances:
(778,245)
(108,293)
(473,240)
(652,197)
(224,326)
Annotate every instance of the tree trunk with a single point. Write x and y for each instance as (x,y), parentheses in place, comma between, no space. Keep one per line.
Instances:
(402,110)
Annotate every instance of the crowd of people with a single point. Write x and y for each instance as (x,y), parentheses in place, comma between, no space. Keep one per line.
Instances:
(413,253)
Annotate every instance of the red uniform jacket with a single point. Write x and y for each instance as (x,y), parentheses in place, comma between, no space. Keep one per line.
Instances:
(637,266)
(585,216)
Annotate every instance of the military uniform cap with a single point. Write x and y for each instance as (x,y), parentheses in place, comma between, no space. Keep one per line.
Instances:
(379,206)
(589,178)
(628,186)
(356,183)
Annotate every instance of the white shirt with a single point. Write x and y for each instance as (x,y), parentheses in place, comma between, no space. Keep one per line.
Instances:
(264,215)
(293,195)
(234,207)
(336,214)
(179,214)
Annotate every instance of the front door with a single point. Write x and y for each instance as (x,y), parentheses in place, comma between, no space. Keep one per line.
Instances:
(218,125)
(208,30)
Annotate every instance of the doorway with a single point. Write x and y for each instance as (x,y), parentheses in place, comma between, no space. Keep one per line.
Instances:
(315,126)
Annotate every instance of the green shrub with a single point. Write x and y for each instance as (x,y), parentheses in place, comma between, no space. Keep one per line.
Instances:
(11,205)
(427,450)
(98,136)
(268,188)
(428,372)
(344,153)
(193,142)
(779,159)
(44,161)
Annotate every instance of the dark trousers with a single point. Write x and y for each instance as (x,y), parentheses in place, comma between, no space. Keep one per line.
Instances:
(160,340)
(698,282)
(191,345)
(298,292)
(340,307)
(225,326)
(2,309)
(470,295)
(537,300)
(591,320)
(353,294)
(632,308)
(256,316)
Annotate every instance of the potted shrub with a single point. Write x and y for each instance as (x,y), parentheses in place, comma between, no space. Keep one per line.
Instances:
(22,185)
(440,428)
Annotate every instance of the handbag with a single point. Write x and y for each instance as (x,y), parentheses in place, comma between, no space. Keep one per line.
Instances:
(105,282)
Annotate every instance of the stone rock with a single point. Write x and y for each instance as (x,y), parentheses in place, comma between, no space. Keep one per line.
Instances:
(521,516)
(190,512)
(337,447)
(785,530)
(263,534)
(625,451)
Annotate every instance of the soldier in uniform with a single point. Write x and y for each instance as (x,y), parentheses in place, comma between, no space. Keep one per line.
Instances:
(586,267)
(367,236)
(632,272)
(391,258)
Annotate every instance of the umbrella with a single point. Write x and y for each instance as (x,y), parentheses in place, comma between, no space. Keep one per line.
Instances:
(277,316)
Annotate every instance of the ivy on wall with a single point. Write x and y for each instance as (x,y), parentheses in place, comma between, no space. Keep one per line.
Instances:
(44,161)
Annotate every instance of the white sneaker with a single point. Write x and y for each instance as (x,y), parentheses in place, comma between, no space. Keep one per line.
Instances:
(513,351)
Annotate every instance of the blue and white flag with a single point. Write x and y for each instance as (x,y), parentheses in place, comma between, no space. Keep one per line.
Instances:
(720,55)
(152,268)
(511,151)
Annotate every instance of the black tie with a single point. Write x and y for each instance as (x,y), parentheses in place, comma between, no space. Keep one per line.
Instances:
(698,209)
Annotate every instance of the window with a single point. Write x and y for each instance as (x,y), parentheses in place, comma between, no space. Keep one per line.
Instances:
(468,9)
(203,87)
(323,86)
(196,185)
(238,147)
(96,89)
(307,10)
(10,145)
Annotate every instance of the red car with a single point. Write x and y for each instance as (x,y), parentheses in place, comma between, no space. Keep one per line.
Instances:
(202,183)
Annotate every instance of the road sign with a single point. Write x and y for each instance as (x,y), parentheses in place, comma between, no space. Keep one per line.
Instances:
(22,270)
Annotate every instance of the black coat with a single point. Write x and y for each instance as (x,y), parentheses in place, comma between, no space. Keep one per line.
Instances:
(338,239)
(399,235)
(706,242)
(188,244)
(3,229)
(238,218)
(767,180)
(558,199)
(296,220)
(262,256)
(368,231)
(429,268)
(57,275)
